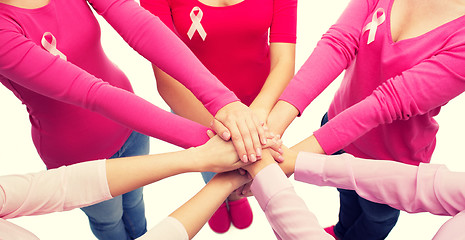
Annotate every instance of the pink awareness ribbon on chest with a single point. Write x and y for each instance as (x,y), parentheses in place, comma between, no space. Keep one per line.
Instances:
(373,25)
(196,26)
(51,47)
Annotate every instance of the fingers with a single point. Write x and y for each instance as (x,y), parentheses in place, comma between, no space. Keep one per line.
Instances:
(220,129)
(210,133)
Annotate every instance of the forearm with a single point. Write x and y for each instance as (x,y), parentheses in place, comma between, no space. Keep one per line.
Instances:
(180,99)
(410,188)
(281,116)
(143,170)
(281,72)
(196,212)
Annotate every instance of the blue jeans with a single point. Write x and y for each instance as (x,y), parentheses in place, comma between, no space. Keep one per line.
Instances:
(360,219)
(122,217)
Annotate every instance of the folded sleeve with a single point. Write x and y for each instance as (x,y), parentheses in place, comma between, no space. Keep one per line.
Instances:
(168,229)
(53,190)
(284,25)
(285,210)
(425,188)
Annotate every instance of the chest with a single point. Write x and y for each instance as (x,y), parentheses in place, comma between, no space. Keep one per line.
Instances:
(220,3)
(237,20)
(413,18)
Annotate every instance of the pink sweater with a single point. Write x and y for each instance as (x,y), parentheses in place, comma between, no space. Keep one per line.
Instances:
(63,189)
(425,188)
(235,47)
(71,102)
(391,91)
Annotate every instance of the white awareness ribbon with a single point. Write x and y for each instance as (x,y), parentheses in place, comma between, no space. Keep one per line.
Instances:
(51,47)
(373,25)
(196,26)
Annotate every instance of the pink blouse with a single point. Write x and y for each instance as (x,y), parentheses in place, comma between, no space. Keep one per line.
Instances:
(72,96)
(391,91)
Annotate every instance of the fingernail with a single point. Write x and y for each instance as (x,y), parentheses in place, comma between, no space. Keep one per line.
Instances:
(264,141)
(226,135)
(253,158)
(244,158)
(280,150)
(281,158)
(259,152)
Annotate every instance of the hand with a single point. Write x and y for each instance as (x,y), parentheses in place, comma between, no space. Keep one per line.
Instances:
(237,122)
(217,155)
(288,165)
(254,168)
(233,177)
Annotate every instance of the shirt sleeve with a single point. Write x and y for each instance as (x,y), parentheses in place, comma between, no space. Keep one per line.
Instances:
(149,36)
(53,190)
(333,53)
(424,87)
(284,25)
(168,229)
(28,65)
(425,188)
(285,210)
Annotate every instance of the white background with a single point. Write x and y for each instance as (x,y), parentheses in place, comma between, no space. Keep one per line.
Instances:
(18,154)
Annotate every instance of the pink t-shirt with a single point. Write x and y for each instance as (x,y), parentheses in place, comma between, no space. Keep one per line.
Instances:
(232,41)
(67,98)
(391,91)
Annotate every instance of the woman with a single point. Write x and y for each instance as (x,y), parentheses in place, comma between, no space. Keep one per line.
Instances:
(249,45)
(403,61)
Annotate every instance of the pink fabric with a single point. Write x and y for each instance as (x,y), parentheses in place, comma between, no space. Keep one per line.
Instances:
(66,99)
(425,188)
(49,191)
(391,91)
(286,212)
(63,189)
(236,48)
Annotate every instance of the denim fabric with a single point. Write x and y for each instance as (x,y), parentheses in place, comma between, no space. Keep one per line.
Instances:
(122,217)
(360,219)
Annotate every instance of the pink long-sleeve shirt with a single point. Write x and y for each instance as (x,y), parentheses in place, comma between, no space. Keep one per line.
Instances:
(235,47)
(424,188)
(70,102)
(391,91)
(63,189)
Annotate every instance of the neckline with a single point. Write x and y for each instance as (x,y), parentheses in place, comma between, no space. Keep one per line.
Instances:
(28,9)
(229,6)
(388,18)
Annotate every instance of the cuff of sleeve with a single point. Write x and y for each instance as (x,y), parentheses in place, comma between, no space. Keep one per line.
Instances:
(309,167)
(219,102)
(269,181)
(327,139)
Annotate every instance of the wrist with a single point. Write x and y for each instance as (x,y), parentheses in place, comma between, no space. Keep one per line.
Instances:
(197,156)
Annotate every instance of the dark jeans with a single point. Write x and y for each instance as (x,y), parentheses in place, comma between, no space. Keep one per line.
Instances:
(360,219)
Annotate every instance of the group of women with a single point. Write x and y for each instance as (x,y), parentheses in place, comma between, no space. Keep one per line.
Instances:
(403,60)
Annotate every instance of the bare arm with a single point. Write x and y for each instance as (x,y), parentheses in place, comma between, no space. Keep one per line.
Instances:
(281,72)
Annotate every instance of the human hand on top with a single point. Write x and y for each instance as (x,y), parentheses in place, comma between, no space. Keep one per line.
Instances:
(237,122)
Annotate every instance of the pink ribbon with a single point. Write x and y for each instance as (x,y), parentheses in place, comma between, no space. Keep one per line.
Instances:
(196,26)
(51,47)
(373,25)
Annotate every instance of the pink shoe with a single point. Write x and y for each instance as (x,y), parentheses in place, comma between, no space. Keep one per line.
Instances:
(220,220)
(330,231)
(241,213)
